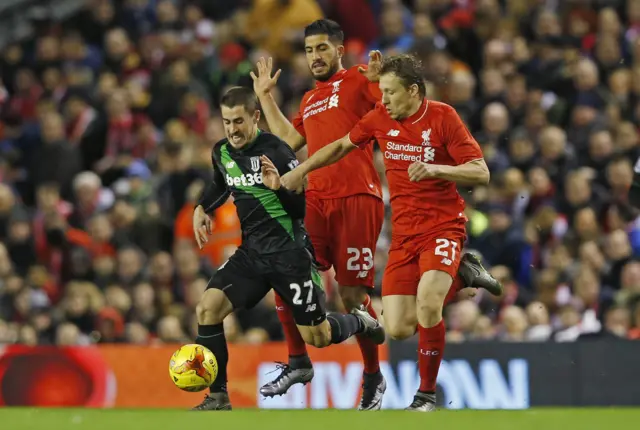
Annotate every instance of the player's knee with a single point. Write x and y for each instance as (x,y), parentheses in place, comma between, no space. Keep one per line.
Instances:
(430,305)
(321,341)
(318,336)
(213,307)
(352,297)
(400,330)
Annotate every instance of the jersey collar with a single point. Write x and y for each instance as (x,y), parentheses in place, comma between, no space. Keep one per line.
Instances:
(336,76)
(420,113)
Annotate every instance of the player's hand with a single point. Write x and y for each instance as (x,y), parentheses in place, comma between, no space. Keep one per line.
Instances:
(263,83)
(202,226)
(294,180)
(419,171)
(270,176)
(372,71)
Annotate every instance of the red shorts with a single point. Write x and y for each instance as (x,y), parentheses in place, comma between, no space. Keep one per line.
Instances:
(408,261)
(344,233)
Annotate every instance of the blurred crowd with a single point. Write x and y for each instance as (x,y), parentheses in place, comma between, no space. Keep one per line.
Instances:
(107,122)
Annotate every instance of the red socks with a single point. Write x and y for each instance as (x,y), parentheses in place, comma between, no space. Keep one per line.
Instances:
(430,350)
(431,344)
(291,334)
(368,348)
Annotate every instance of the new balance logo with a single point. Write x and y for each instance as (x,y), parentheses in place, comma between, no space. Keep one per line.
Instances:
(393,133)
(230,164)
(333,101)
(310,308)
(429,155)
(336,86)
(362,274)
(446,261)
(293,164)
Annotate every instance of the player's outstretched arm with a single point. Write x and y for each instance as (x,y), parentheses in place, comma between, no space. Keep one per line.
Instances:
(330,154)
(279,125)
(474,172)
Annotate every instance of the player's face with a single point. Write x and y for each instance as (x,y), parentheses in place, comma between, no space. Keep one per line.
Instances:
(323,57)
(240,126)
(399,100)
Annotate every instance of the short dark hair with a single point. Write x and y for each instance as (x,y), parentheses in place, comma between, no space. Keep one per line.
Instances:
(406,67)
(240,96)
(325,26)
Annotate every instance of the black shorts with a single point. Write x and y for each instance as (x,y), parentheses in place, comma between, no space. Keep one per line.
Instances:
(247,277)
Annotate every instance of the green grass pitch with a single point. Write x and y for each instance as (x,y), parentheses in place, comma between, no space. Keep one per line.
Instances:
(534,419)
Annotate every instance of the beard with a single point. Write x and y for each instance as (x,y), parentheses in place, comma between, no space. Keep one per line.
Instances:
(333,69)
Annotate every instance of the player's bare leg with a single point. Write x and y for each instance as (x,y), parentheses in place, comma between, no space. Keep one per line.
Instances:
(433,289)
(373,385)
(400,319)
(211,311)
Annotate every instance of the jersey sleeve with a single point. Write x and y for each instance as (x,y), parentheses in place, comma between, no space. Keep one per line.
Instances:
(285,160)
(216,192)
(364,130)
(298,123)
(461,145)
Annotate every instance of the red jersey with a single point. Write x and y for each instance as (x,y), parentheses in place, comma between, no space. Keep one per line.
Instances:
(434,134)
(327,113)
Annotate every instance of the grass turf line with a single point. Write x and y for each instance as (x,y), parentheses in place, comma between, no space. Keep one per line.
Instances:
(162,419)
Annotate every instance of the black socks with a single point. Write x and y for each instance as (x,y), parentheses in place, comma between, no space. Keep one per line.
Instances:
(343,326)
(212,337)
(300,362)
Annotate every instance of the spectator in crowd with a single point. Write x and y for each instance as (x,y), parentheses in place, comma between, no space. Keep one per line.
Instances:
(106,127)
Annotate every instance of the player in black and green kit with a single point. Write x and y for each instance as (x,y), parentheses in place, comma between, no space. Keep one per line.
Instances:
(275,252)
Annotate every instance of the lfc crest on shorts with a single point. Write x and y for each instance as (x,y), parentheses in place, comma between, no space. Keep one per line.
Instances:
(255,163)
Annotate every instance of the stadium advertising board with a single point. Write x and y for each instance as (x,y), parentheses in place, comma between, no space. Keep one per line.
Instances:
(474,375)
(496,375)
(135,376)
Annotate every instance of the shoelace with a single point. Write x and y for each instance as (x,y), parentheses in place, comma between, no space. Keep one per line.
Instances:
(418,402)
(284,369)
(205,402)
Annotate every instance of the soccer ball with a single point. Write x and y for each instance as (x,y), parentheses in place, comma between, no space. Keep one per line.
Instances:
(193,368)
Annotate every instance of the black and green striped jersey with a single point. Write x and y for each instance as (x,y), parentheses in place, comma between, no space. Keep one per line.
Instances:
(271,220)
